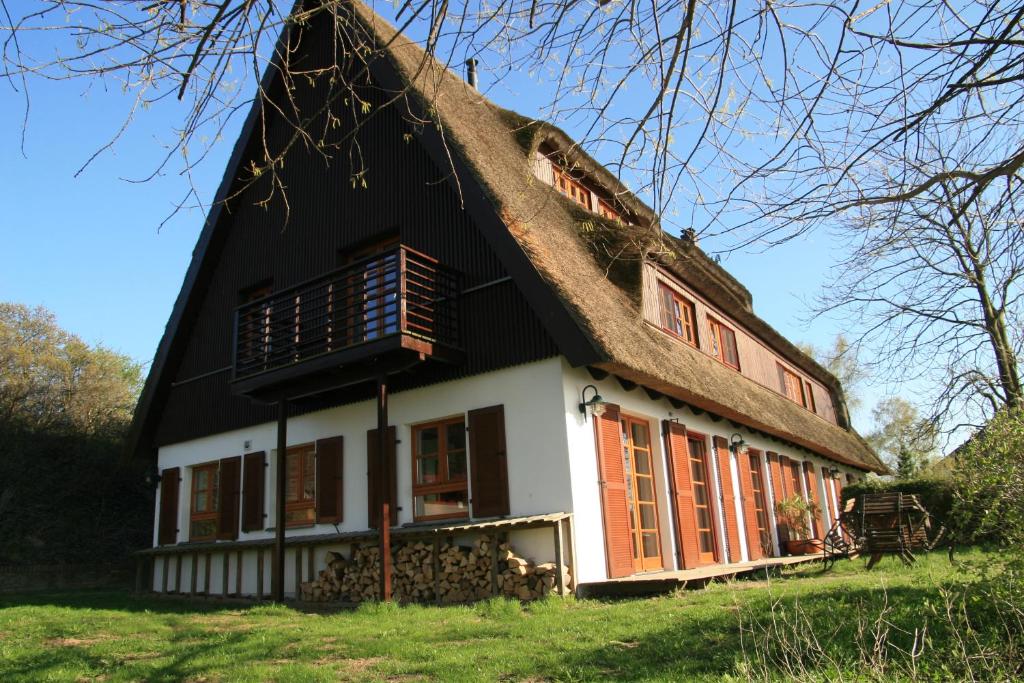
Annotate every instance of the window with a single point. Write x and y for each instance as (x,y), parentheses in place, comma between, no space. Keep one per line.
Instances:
(760,508)
(203,522)
(300,485)
(811,406)
(640,494)
(605,210)
(373,291)
(702,499)
(439,470)
(678,315)
(572,188)
(796,487)
(723,344)
(791,385)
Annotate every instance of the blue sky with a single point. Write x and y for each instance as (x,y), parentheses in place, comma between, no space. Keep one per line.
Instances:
(89,249)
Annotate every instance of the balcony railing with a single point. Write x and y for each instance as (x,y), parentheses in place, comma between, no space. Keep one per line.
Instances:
(395,294)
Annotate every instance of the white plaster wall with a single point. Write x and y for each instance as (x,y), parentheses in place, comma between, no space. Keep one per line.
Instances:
(538,472)
(586,500)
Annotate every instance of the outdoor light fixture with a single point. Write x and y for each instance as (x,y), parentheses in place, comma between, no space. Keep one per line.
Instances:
(834,472)
(596,403)
(737,445)
(152,477)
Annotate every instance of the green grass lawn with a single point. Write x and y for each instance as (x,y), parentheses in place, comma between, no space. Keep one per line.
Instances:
(690,635)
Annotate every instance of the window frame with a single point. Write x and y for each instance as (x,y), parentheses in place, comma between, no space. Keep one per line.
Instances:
(716,326)
(704,557)
(445,484)
(302,503)
(684,304)
(784,374)
(809,393)
(213,495)
(572,184)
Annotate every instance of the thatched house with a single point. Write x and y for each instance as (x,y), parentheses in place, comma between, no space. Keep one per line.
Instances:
(492,336)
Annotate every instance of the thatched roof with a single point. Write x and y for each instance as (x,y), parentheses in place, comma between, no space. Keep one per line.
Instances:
(565,245)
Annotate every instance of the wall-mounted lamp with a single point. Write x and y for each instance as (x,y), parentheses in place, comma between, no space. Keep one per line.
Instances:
(834,472)
(152,477)
(737,445)
(596,403)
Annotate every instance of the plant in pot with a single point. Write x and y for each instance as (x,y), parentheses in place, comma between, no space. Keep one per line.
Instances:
(793,512)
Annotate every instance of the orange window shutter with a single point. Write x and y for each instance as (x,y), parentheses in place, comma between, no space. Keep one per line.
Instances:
(812,493)
(749,507)
(681,485)
(777,466)
(728,500)
(614,502)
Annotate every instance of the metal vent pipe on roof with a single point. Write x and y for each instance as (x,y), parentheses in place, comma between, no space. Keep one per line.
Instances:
(471,72)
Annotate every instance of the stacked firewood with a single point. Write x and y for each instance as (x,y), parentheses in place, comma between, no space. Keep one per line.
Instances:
(464,574)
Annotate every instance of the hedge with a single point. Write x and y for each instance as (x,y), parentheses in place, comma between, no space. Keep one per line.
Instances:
(936,494)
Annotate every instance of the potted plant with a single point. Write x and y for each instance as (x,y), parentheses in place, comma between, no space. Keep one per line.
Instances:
(793,512)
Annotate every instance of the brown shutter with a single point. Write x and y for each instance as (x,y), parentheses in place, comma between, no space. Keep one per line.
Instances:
(744,469)
(488,462)
(373,463)
(329,481)
(253,483)
(681,490)
(732,530)
(778,493)
(170,485)
(618,539)
(230,481)
(812,493)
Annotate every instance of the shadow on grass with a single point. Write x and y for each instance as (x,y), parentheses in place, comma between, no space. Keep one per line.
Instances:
(121,600)
(711,646)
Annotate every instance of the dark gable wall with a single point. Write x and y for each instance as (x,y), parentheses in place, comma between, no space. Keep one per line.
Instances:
(405,192)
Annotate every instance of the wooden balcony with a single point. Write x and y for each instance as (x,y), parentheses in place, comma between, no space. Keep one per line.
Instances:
(375,315)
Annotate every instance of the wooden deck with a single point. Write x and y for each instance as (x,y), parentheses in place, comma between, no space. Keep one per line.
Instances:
(651,583)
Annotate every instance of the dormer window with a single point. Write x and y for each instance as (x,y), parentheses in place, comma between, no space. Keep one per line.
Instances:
(792,386)
(678,315)
(723,344)
(572,188)
(605,210)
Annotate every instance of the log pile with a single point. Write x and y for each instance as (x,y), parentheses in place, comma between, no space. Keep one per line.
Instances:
(464,574)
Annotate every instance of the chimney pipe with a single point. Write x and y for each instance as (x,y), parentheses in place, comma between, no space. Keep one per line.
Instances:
(471,72)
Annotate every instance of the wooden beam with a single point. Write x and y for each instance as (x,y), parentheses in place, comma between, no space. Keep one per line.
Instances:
(277,572)
(384,489)
(437,569)
(626,384)
(238,574)
(494,564)
(259,573)
(597,373)
(559,563)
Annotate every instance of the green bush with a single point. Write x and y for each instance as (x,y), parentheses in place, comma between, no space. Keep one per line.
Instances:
(936,494)
(988,480)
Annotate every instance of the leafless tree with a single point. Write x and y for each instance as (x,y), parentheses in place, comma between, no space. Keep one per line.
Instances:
(934,283)
(750,122)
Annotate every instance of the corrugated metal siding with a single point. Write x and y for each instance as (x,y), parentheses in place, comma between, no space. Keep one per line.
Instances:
(405,193)
(757,361)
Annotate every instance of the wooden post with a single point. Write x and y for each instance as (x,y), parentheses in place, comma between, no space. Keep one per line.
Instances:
(277,572)
(259,573)
(177,575)
(206,574)
(384,488)
(310,558)
(194,577)
(238,574)
(164,578)
(559,563)
(572,550)
(437,569)
(298,572)
(224,574)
